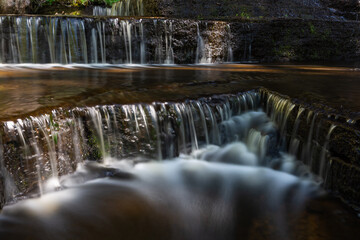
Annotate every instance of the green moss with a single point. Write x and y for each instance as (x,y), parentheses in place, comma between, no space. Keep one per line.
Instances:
(94,144)
(284,51)
(74,3)
(243,13)
(312,29)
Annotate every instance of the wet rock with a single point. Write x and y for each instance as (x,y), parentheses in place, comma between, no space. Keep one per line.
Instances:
(339,150)
(2,194)
(343,180)
(238,8)
(14,6)
(343,5)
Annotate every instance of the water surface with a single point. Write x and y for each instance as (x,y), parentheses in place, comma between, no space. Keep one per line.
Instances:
(25,91)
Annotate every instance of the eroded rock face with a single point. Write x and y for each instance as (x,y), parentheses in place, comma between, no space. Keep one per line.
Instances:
(2,200)
(344,5)
(242,8)
(14,6)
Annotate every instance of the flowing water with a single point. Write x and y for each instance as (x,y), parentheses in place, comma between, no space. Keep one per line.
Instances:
(83,40)
(121,8)
(93,146)
(218,177)
(47,87)
(223,174)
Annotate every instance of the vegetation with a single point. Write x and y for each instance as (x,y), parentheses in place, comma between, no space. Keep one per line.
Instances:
(71,7)
(73,3)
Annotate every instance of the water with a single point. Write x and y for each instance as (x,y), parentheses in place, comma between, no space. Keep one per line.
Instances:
(227,180)
(104,136)
(92,40)
(221,167)
(216,184)
(47,87)
(121,8)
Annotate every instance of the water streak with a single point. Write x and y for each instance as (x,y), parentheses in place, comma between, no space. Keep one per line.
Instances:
(121,8)
(323,160)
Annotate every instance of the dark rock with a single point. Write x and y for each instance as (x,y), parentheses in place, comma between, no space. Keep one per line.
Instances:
(343,5)
(2,194)
(14,6)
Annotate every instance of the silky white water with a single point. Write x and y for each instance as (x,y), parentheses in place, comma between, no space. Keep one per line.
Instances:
(215,191)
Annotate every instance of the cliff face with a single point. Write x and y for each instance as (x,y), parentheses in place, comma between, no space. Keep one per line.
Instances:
(343,5)
(14,6)
(243,8)
(203,9)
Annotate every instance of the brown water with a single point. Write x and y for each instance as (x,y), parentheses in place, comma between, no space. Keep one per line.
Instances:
(27,91)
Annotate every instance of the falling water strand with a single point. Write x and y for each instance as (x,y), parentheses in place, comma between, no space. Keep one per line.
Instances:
(142,43)
(200,50)
(154,118)
(323,160)
(307,149)
(97,120)
(294,142)
(169,59)
(230,55)
(279,110)
(121,8)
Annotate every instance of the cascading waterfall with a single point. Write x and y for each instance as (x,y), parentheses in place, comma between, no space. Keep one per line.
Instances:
(66,40)
(279,109)
(52,145)
(108,132)
(217,153)
(74,40)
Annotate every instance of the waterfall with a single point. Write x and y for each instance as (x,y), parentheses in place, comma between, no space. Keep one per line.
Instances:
(323,163)
(53,144)
(208,159)
(158,130)
(294,143)
(74,40)
(279,109)
(169,59)
(121,8)
(126,27)
(307,153)
(230,55)
(142,43)
(201,49)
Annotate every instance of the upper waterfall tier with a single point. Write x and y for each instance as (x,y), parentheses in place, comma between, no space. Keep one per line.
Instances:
(113,40)
(67,40)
